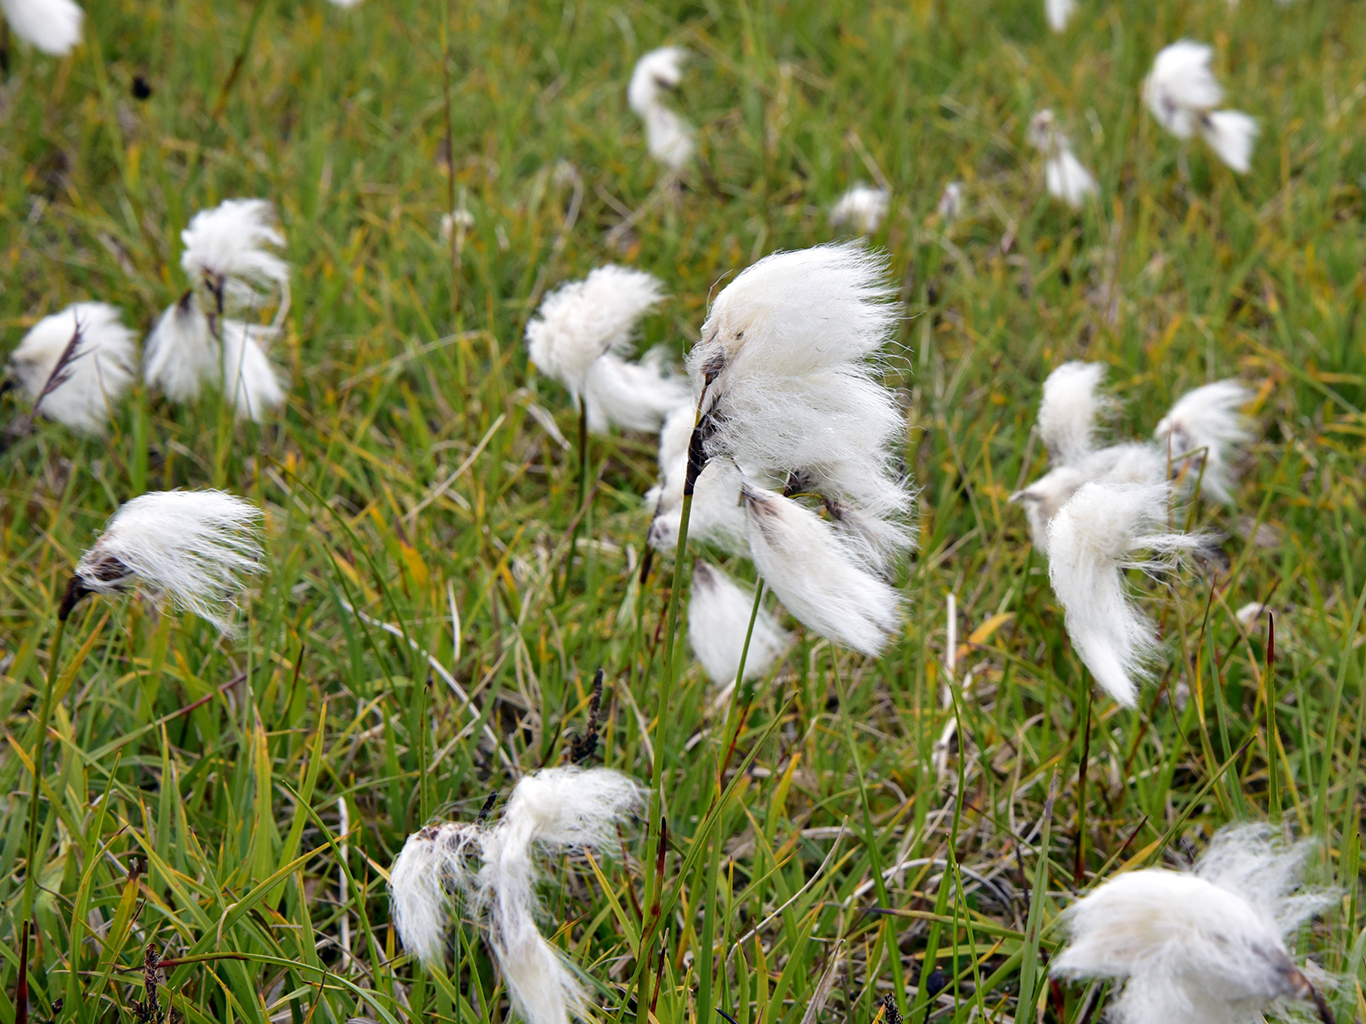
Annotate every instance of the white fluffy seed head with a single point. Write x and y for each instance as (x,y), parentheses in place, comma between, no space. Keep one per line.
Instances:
(52,26)
(862,208)
(656,73)
(1093,538)
(1059,13)
(719,610)
(633,396)
(818,574)
(1197,947)
(228,253)
(437,864)
(581,321)
(1231,134)
(96,377)
(951,201)
(1067,179)
(669,137)
(181,353)
(1069,411)
(717,518)
(785,366)
(1205,425)
(249,378)
(1181,87)
(555,809)
(192,548)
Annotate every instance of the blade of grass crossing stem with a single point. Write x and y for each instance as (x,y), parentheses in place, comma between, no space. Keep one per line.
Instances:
(1029,959)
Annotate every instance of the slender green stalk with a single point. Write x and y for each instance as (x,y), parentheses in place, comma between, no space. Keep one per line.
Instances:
(583,497)
(39,748)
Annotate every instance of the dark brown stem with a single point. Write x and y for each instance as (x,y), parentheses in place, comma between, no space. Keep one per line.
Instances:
(75,590)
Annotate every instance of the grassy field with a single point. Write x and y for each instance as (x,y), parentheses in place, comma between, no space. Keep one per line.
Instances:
(873,823)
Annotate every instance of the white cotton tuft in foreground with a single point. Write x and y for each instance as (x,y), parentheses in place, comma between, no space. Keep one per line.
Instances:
(1198,947)
(1092,539)
(861,208)
(818,574)
(1069,410)
(228,252)
(1065,177)
(1204,425)
(581,336)
(192,548)
(95,376)
(52,26)
(785,365)
(719,610)
(553,810)
(669,137)
(1059,13)
(1182,93)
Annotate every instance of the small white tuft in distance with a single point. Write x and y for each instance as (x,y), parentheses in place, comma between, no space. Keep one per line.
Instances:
(862,208)
(1069,409)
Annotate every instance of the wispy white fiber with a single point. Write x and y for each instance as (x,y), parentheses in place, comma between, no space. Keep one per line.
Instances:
(1059,13)
(1182,93)
(96,377)
(1206,946)
(1205,424)
(551,811)
(581,336)
(719,610)
(1092,540)
(951,202)
(250,380)
(818,575)
(634,396)
(1069,410)
(716,516)
(181,353)
(657,73)
(669,137)
(785,364)
(192,548)
(228,252)
(1064,175)
(53,26)
(436,865)
(862,208)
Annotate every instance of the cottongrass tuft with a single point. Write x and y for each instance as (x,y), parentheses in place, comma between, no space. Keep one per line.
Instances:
(1182,92)
(719,611)
(228,251)
(1204,425)
(1206,946)
(192,548)
(818,574)
(1092,540)
(551,811)
(716,516)
(950,206)
(581,336)
(1059,13)
(862,208)
(668,136)
(52,26)
(1065,177)
(80,392)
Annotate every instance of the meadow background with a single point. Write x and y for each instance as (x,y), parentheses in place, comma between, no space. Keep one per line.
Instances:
(896,825)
